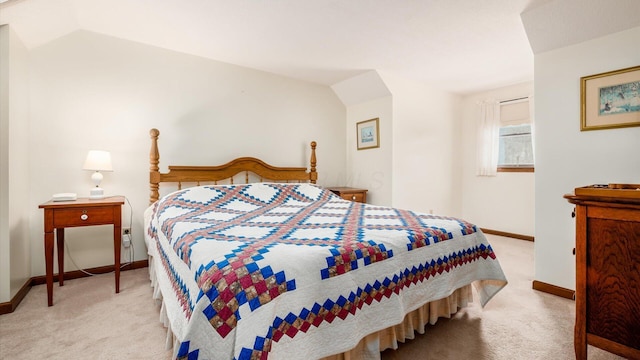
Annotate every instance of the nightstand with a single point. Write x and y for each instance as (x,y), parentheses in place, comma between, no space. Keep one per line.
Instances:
(59,215)
(349,193)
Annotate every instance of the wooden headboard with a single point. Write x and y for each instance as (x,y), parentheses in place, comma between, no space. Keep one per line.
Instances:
(208,174)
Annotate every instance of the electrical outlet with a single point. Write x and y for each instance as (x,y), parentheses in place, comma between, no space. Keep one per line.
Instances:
(126,237)
(126,240)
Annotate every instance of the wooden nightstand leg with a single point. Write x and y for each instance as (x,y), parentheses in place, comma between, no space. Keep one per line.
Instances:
(117,243)
(116,255)
(48,253)
(60,241)
(48,258)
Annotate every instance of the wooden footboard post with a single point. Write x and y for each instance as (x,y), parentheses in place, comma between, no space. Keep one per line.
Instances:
(154,170)
(313,175)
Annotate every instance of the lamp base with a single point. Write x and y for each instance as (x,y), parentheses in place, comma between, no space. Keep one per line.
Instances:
(96,193)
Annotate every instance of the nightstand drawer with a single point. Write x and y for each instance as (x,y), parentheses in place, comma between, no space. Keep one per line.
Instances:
(349,193)
(357,197)
(82,216)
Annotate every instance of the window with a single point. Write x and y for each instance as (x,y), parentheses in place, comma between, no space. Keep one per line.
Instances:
(515,141)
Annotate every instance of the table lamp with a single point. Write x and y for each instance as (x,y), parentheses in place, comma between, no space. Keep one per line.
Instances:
(97,161)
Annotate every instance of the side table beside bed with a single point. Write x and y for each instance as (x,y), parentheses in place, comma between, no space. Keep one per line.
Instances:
(59,215)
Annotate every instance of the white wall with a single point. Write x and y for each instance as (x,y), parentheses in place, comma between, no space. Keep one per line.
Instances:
(505,202)
(567,158)
(14,151)
(90,91)
(416,166)
(367,97)
(371,169)
(5,264)
(426,165)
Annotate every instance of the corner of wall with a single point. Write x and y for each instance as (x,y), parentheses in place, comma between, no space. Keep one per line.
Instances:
(361,88)
(4,164)
(366,96)
(14,156)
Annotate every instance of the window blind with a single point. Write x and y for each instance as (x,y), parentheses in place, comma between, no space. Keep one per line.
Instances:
(514,112)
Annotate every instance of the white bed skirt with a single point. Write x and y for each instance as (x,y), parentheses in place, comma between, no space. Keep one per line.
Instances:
(371,345)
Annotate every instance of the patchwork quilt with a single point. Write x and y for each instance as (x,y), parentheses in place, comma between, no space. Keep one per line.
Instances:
(282,271)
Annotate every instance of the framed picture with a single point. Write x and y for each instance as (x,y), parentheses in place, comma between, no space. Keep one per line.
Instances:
(610,100)
(368,134)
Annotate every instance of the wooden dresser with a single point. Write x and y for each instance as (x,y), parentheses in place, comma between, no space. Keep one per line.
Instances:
(607,269)
(349,193)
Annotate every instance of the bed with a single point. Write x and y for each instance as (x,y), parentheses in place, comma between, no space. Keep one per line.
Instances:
(281,268)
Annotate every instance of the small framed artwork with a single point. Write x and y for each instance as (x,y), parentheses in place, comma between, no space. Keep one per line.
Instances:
(368,134)
(610,100)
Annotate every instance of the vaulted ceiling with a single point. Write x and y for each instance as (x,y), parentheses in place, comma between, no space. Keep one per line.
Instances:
(460,46)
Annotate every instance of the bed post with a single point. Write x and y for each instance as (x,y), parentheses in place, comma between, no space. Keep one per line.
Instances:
(154,170)
(313,175)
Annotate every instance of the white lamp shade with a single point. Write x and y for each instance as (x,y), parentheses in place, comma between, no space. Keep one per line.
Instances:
(98,160)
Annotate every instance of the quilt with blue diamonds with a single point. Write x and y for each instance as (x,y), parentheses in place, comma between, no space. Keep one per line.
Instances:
(283,271)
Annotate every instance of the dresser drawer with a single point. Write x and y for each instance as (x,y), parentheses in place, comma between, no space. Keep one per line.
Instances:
(79,216)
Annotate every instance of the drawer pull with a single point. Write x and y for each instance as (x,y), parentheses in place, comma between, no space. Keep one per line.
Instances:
(84,215)
(353,197)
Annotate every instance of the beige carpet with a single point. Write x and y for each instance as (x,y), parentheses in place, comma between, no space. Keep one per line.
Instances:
(89,321)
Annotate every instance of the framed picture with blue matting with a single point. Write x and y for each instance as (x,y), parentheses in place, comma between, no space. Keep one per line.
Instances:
(610,100)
